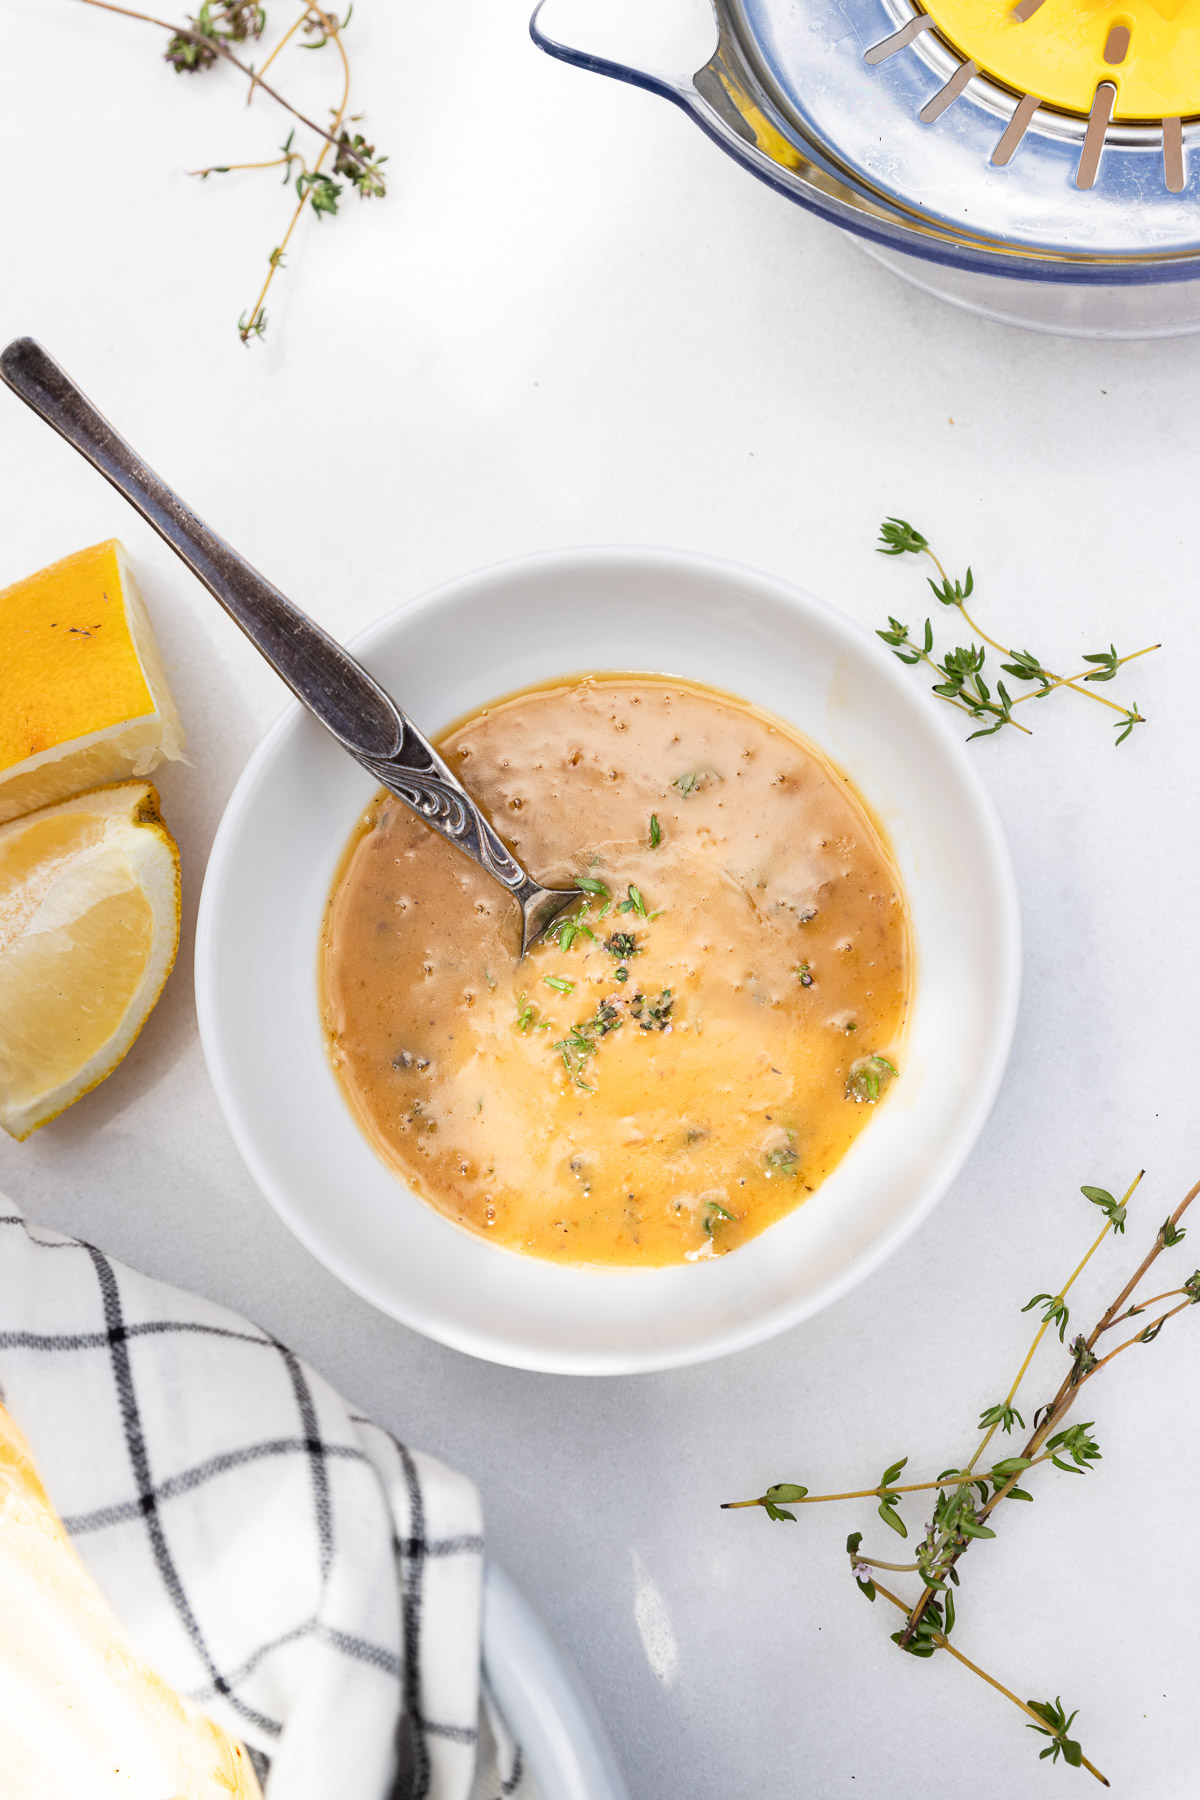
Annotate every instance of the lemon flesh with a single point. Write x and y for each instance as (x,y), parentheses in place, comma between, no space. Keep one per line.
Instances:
(83,696)
(82,1717)
(89,926)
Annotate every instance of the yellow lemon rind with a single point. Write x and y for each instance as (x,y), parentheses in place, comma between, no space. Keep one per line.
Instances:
(116,751)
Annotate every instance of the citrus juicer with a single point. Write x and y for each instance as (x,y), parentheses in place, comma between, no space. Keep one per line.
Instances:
(1034,160)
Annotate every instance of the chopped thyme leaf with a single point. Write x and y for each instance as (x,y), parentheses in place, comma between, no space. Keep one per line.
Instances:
(693,782)
(715,1214)
(557,982)
(489,978)
(783,1161)
(655,832)
(567,930)
(635,903)
(526,1013)
(868,1078)
(621,974)
(590,885)
(804,971)
(580,1042)
(623,944)
(606,1018)
(653,1015)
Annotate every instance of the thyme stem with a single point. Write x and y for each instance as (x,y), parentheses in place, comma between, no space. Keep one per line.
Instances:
(1137,1338)
(287,37)
(966,1479)
(1146,1263)
(254,319)
(1069,1389)
(1144,1307)
(274,162)
(944,1643)
(1071,681)
(227,55)
(1056,681)
(1045,1325)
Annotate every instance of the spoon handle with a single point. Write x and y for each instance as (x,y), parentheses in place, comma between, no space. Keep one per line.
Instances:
(318,671)
(331,684)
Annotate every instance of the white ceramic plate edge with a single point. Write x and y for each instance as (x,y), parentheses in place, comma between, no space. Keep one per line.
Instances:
(543,1700)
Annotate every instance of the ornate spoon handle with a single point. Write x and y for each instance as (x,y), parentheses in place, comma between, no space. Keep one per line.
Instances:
(332,685)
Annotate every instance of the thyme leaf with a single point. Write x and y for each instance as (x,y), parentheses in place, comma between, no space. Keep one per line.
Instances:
(783,1160)
(1056,1728)
(653,1015)
(715,1214)
(579,1045)
(623,944)
(1054,1311)
(868,1078)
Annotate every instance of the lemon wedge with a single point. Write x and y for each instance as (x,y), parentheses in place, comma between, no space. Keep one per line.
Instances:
(83,697)
(89,926)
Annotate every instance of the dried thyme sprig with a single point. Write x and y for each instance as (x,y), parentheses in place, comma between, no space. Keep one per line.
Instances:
(203,41)
(967,1498)
(961,682)
(217,22)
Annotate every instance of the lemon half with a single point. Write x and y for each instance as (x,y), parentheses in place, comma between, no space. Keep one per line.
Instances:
(89,927)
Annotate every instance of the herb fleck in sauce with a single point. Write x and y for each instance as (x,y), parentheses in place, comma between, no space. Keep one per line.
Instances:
(666,1075)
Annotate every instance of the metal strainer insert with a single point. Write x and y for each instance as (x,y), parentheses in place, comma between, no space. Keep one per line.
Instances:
(1107,65)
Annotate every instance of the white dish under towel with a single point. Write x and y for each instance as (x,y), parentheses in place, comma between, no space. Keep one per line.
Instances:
(314,1585)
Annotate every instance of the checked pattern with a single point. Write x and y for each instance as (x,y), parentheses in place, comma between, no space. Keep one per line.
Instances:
(313,1584)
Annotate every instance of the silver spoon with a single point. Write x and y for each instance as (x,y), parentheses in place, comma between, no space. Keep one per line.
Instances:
(336,689)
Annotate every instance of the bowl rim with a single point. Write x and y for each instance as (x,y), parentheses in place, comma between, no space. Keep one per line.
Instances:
(769,1322)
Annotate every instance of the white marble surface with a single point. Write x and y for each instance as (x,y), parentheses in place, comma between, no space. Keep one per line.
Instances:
(574,321)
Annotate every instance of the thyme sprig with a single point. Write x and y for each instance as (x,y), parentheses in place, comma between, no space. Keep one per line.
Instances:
(961,682)
(204,40)
(966,1499)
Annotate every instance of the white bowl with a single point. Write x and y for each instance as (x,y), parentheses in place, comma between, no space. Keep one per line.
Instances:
(287,825)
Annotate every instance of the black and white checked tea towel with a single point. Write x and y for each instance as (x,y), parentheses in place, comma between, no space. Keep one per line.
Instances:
(314,1585)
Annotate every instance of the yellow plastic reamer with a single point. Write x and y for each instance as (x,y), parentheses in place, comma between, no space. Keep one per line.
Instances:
(1062,50)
